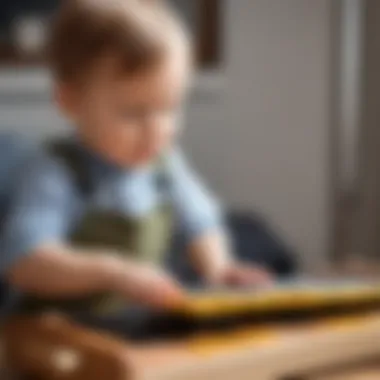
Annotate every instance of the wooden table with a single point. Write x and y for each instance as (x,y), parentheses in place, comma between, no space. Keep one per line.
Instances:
(270,353)
(371,373)
(366,371)
(311,351)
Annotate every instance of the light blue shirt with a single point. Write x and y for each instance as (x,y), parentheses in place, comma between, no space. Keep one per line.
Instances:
(47,205)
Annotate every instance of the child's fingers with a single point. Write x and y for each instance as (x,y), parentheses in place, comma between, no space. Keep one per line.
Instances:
(165,293)
(172,293)
(172,297)
(154,287)
(261,275)
(250,276)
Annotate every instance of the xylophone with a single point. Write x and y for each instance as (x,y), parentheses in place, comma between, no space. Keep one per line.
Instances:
(296,298)
(265,334)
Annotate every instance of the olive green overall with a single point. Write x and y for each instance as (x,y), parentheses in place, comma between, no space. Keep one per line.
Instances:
(145,239)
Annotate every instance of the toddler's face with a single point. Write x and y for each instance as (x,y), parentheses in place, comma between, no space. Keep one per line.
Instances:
(128,120)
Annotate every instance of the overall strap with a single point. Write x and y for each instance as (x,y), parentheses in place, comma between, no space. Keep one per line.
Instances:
(72,158)
(70,155)
(163,178)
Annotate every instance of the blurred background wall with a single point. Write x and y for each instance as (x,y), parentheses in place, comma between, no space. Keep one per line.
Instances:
(258,125)
(366,205)
(264,142)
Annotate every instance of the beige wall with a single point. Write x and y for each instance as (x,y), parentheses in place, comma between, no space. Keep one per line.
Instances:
(265,146)
(367,240)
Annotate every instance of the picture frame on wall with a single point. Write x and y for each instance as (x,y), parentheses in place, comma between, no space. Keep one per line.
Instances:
(24,27)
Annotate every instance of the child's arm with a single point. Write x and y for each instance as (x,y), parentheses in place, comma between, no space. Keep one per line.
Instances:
(212,257)
(55,270)
(203,227)
(210,254)
(61,271)
(35,258)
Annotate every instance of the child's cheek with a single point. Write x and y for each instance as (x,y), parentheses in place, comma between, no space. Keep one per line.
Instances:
(161,139)
(129,140)
(168,135)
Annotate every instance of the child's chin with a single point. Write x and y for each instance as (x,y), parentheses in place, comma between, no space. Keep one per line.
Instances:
(142,160)
(145,158)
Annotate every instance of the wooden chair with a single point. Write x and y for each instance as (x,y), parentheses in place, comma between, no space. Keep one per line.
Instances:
(52,347)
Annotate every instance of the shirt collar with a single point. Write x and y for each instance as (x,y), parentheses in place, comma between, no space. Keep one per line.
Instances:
(98,165)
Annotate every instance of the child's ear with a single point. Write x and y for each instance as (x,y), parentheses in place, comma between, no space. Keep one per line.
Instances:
(66,97)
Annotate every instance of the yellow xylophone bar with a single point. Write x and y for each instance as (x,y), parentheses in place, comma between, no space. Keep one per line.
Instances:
(211,304)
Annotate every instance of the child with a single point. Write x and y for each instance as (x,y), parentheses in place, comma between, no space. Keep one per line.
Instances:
(94,215)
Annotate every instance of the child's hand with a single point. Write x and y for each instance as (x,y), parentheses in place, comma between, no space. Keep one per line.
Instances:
(240,274)
(154,287)
(148,285)
(212,257)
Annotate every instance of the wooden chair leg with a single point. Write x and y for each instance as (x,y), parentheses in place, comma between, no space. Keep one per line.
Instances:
(51,347)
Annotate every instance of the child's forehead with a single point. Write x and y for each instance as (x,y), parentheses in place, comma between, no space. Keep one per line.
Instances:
(168,74)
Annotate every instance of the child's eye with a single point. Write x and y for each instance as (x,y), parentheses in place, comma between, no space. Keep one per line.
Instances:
(142,114)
